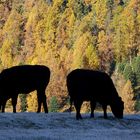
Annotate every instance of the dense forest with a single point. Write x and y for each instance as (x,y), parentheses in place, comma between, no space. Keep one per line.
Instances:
(67,34)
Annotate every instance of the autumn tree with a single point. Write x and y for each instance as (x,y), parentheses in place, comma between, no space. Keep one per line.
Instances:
(85,54)
(128,98)
(10,33)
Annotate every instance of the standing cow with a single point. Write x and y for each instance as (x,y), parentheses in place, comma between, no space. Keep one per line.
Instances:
(93,86)
(24,79)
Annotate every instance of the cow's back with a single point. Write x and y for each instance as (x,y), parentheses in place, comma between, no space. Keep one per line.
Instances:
(88,84)
(24,78)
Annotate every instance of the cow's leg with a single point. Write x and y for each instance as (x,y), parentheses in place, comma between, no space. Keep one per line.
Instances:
(45,104)
(92,105)
(39,102)
(3,106)
(14,103)
(77,105)
(104,109)
(42,99)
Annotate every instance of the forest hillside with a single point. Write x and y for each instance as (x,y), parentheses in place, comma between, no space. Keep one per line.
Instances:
(67,34)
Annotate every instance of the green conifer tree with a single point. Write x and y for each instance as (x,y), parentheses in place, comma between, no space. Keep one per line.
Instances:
(23,102)
(53,104)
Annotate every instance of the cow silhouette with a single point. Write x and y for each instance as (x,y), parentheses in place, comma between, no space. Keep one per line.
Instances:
(93,86)
(24,79)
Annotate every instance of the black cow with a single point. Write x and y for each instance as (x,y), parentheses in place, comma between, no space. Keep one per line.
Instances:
(93,86)
(24,79)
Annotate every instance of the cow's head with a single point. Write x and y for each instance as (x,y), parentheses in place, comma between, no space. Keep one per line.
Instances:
(117,107)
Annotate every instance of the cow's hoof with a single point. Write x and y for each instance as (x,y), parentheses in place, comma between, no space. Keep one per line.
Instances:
(105,117)
(79,118)
(91,116)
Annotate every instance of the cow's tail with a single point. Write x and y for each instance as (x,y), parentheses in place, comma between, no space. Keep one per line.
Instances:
(70,109)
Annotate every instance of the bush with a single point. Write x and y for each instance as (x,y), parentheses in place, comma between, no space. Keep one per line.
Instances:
(23,102)
(136,68)
(53,104)
(137,105)
(121,67)
(129,74)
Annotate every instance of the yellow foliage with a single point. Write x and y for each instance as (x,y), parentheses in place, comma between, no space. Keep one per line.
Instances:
(128,97)
(100,11)
(87,1)
(32,102)
(85,54)
(5,51)
(92,57)
(32,19)
(102,39)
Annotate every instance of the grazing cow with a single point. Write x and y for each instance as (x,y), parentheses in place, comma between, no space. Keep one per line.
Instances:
(24,79)
(93,86)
